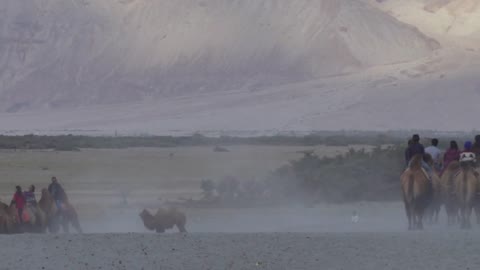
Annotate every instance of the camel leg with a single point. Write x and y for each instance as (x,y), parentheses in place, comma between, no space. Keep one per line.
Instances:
(458,214)
(452,216)
(463,223)
(76,225)
(477,213)
(181,228)
(468,213)
(449,215)
(72,217)
(2,227)
(420,213)
(409,216)
(437,214)
(414,211)
(429,215)
(65,225)
(53,225)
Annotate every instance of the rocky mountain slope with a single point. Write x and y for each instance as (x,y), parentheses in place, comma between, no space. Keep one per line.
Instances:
(64,54)
(238,67)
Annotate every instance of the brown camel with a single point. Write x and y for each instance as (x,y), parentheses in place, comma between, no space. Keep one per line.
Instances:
(476,205)
(8,219)
(449,196)
(47,205)
(466,186)
(417,192)
(56,217)
(35,220)
(163,220)
(433,210)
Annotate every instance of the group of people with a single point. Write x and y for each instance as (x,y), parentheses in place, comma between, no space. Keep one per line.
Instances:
(27,199)
(441,159)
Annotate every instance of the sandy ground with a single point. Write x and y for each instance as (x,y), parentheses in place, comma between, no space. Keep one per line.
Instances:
(420,250)
(322,237)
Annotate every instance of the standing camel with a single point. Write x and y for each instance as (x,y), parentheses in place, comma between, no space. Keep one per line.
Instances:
(433,210)
(9,222)
(449,196)
(466,184)
(56,217)
(417,192)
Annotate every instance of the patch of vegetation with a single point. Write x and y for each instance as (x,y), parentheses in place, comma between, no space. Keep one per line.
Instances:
(339,138)
(356,176)
(73,142)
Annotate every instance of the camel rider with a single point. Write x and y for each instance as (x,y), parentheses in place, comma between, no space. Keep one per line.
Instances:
(417,149)
(476,145)
(57,192)
(435,153)
(19,201)
(467,147)
(30,196)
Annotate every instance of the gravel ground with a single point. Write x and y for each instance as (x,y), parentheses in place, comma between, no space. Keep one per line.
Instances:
(362,250)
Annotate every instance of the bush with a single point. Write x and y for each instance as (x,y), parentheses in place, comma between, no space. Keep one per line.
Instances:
(356,176)
(208,189)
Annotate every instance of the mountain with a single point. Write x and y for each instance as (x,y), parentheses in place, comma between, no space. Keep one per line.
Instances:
(454,19)
(66,54)
(238,66)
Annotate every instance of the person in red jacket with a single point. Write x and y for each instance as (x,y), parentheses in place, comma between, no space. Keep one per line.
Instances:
(19,201)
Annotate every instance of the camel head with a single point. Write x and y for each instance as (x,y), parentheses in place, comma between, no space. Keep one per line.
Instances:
(148,219)
(416,162)
(428,159)
(145,215)
(45,192)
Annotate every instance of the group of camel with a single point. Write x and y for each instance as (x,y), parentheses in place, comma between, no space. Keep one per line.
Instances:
(457,189)
(40,218)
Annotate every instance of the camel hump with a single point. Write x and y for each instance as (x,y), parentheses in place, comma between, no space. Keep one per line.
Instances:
(453,166)
(416,162)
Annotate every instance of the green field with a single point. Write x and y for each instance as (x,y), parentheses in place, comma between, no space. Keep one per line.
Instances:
(145,170)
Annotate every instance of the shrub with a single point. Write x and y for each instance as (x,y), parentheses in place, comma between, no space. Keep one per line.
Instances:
(358,175)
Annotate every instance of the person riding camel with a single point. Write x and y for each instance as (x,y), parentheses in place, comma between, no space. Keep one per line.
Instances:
(476,146)
(19,201)
(436,154)
(58,193)
(467,147)
(417,149)
(30,196)
(452,154)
